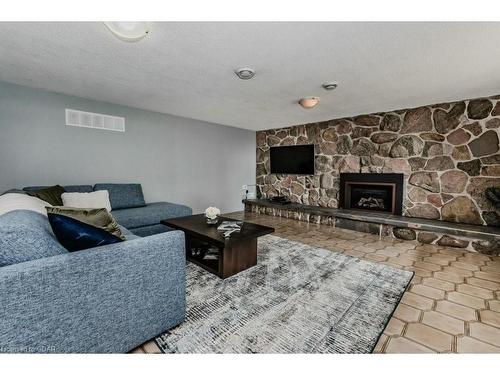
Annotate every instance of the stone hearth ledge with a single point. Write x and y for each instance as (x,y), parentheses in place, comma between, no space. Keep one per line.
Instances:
(480,238)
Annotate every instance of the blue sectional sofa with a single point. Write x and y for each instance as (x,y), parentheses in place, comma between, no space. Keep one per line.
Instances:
(129,208)
(107,299)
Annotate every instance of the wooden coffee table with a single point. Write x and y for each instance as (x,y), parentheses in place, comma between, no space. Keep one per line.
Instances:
(206,247)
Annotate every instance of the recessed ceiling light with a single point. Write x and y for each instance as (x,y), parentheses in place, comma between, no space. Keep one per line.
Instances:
(128,31)
(309,103)
(330,85)
(244,73)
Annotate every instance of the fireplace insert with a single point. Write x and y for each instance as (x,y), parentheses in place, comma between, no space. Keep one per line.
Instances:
(381,192)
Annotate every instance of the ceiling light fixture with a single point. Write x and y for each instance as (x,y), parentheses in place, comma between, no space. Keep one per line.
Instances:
(309,103)
(245,73)
(128,31)
(330,85)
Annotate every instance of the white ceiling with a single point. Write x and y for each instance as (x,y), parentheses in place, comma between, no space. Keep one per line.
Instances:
(186,69)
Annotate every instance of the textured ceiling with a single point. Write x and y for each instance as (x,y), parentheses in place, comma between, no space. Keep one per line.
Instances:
(186,69)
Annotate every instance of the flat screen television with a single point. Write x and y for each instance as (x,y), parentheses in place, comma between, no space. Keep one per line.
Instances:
(292,159)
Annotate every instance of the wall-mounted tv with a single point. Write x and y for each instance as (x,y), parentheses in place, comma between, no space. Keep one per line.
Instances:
(292,159)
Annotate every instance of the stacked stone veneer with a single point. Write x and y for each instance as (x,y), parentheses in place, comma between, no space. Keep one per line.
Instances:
(449,154)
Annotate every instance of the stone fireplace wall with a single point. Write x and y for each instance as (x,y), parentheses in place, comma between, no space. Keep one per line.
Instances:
(448,153)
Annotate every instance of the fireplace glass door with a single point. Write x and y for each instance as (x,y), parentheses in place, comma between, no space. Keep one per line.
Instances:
(379,192)
(373,197)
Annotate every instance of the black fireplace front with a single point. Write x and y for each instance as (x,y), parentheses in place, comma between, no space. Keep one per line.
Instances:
(381,192)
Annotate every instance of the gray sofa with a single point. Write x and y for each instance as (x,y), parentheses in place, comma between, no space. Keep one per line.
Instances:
(108,299)
(129,208)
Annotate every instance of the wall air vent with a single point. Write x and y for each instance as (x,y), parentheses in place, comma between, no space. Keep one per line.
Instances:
(94,120)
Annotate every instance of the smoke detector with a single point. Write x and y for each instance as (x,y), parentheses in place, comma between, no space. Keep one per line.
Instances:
(330,85)
(245,73)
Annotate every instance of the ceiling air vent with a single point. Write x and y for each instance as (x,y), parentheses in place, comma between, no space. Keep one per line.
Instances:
(94,120)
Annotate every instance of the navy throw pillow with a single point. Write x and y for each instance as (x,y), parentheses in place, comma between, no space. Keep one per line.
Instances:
(75,235)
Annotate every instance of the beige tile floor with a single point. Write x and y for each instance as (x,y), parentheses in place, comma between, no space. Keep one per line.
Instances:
(451,306)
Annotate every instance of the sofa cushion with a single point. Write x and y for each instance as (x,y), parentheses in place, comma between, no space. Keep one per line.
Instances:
(151,230)
(68,188)
(123,195)
(24,236)
(128,234)
(50,195)
(14,191)
(150,214)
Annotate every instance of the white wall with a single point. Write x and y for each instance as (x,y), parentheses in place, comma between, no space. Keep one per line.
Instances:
(176,159)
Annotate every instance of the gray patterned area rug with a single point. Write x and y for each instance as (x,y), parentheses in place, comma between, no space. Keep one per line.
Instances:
(298,299)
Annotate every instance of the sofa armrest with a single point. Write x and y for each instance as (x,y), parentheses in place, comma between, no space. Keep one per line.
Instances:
(106,299)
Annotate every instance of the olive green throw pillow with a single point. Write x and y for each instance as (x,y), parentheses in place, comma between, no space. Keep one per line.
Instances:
(97,217)
(51,195)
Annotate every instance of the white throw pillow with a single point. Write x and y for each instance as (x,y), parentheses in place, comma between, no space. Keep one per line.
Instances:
(15,201)
(96,199)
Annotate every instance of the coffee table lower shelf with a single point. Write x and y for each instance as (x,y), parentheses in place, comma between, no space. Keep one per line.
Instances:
(234,257)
